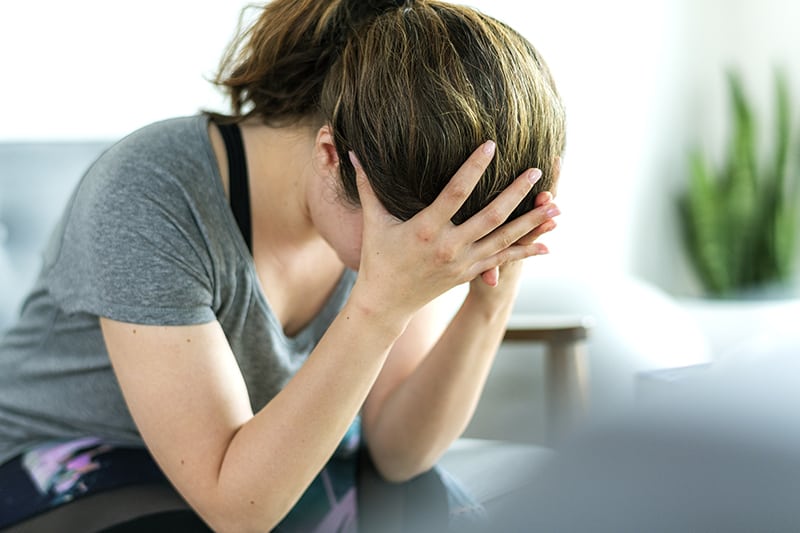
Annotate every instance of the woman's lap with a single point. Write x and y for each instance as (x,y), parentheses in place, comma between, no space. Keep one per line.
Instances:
(87,485)
(83,483)
(118,510)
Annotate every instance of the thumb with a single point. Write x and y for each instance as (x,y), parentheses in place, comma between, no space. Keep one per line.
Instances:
(371,206)
(365,193)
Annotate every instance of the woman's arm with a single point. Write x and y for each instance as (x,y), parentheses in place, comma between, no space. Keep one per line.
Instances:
(430,384)
(243,471)
(240,471)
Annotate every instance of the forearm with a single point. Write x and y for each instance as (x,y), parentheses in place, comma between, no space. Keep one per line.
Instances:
(272,459)
(418,410)
(423,415)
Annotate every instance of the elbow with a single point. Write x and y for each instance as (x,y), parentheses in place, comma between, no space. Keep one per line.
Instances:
(224,515)
(235,522)
(232,522)
(402,466)
(398,460)
(402,476)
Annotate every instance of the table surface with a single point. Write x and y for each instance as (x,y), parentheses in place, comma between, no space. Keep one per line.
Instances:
(531,327)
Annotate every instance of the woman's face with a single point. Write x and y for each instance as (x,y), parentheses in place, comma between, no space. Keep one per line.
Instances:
(338,223)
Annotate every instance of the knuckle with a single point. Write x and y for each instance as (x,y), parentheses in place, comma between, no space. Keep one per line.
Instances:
(506,239)
(495,216)
(445,255)
(425,233)
(457,191)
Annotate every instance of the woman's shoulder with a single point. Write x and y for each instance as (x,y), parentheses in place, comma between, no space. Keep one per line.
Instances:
(178,136)
(166,166)
(177,148)
(170,127)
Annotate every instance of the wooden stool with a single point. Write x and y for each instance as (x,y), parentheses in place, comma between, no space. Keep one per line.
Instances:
(566,370)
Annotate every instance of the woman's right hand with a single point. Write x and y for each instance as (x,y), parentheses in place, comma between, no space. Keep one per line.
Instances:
(405,265)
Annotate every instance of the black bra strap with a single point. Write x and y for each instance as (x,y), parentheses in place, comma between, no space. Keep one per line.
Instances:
(237,180)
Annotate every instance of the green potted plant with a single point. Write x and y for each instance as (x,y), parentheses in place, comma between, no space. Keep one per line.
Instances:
(740,218)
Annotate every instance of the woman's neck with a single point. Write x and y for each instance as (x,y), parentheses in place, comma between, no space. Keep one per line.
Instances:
(280,164)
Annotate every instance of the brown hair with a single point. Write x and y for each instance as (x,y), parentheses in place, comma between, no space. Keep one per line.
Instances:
(411,87)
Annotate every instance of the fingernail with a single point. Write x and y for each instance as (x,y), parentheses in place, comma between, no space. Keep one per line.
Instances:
(354,160)
(488,147)
(534,175)
(541,249)
(553,211)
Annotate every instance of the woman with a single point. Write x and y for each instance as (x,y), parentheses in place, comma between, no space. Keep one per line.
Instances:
(246,295)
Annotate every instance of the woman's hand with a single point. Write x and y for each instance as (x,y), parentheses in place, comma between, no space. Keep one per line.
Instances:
(405,265)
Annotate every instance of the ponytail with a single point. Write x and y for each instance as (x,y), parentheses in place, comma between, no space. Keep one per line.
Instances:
(277,66)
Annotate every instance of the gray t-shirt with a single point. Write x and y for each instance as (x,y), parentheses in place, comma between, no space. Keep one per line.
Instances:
(147,238)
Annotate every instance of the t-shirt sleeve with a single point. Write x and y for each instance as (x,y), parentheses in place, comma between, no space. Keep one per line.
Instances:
(131,247)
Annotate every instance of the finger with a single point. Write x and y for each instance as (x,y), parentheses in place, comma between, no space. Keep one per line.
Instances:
(491,277)
(460,186)
(544,197)
(540,230)
(365,193)
(509,255)
(498,211)
(510,233)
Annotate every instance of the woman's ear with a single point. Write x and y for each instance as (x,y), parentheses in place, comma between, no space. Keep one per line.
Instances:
(325,150)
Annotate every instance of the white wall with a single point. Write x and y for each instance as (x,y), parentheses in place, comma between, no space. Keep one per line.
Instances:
(101,68)
(641,81)
(615,62)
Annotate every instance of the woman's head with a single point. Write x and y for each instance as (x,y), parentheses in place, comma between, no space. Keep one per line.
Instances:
(411,87)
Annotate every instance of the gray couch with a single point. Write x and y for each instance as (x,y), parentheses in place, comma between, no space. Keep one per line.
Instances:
(35,182)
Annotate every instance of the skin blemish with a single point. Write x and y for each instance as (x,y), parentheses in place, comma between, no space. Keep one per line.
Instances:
(252,502)
(188,340)
(134,332)
(181,461)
